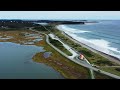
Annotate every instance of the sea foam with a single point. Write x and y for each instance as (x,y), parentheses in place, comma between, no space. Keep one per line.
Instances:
(71,30)
(97,44)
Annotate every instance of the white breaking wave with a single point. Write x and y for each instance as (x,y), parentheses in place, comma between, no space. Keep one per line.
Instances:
(97,44)
(43,23)
(72,30)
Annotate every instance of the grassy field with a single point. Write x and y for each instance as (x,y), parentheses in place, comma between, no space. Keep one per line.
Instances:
(111,70)
(60,46)
(18,36)
(93,58)
(67,68)
(61,64)
(101,76)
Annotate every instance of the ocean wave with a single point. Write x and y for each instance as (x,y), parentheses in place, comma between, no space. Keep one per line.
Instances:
(97,44)
(72,30)
(111,39)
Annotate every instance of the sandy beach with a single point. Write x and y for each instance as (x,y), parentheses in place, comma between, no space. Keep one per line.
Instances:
(111,58)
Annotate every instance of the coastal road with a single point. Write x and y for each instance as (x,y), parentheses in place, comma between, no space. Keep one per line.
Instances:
(83,63)
(95,69)
(74,53)
(90,48)
(80,62)
(92,74)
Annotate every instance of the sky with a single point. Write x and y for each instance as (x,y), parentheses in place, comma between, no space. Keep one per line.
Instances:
(81,15)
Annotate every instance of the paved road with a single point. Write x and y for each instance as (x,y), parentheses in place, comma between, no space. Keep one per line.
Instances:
(92,74)
(74,54)
(80,62)
(95,69)
(47,40)
(96,51)
(83,63)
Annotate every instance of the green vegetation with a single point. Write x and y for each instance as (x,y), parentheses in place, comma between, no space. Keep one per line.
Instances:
(112,70)
(117,69)
(104,62)
(12,29)
(17,24)
(93,58)
(101,76)
(18,36)
(65,39)
(40,28)
(61,64)
(67,68)
(60,46)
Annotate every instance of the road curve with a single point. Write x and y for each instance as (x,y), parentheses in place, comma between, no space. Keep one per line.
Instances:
(84,64)
(76,60)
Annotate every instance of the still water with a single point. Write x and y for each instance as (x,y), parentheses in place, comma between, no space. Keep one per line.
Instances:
(16,63)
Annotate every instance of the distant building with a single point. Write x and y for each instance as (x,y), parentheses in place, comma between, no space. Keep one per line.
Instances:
(81,57)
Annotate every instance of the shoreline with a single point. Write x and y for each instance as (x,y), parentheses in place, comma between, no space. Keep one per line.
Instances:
(109,57)
(56,63)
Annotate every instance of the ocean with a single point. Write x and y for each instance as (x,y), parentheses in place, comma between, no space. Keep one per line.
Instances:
(103,36)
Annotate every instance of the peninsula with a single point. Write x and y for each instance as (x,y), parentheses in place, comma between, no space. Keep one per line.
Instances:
(64,56)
